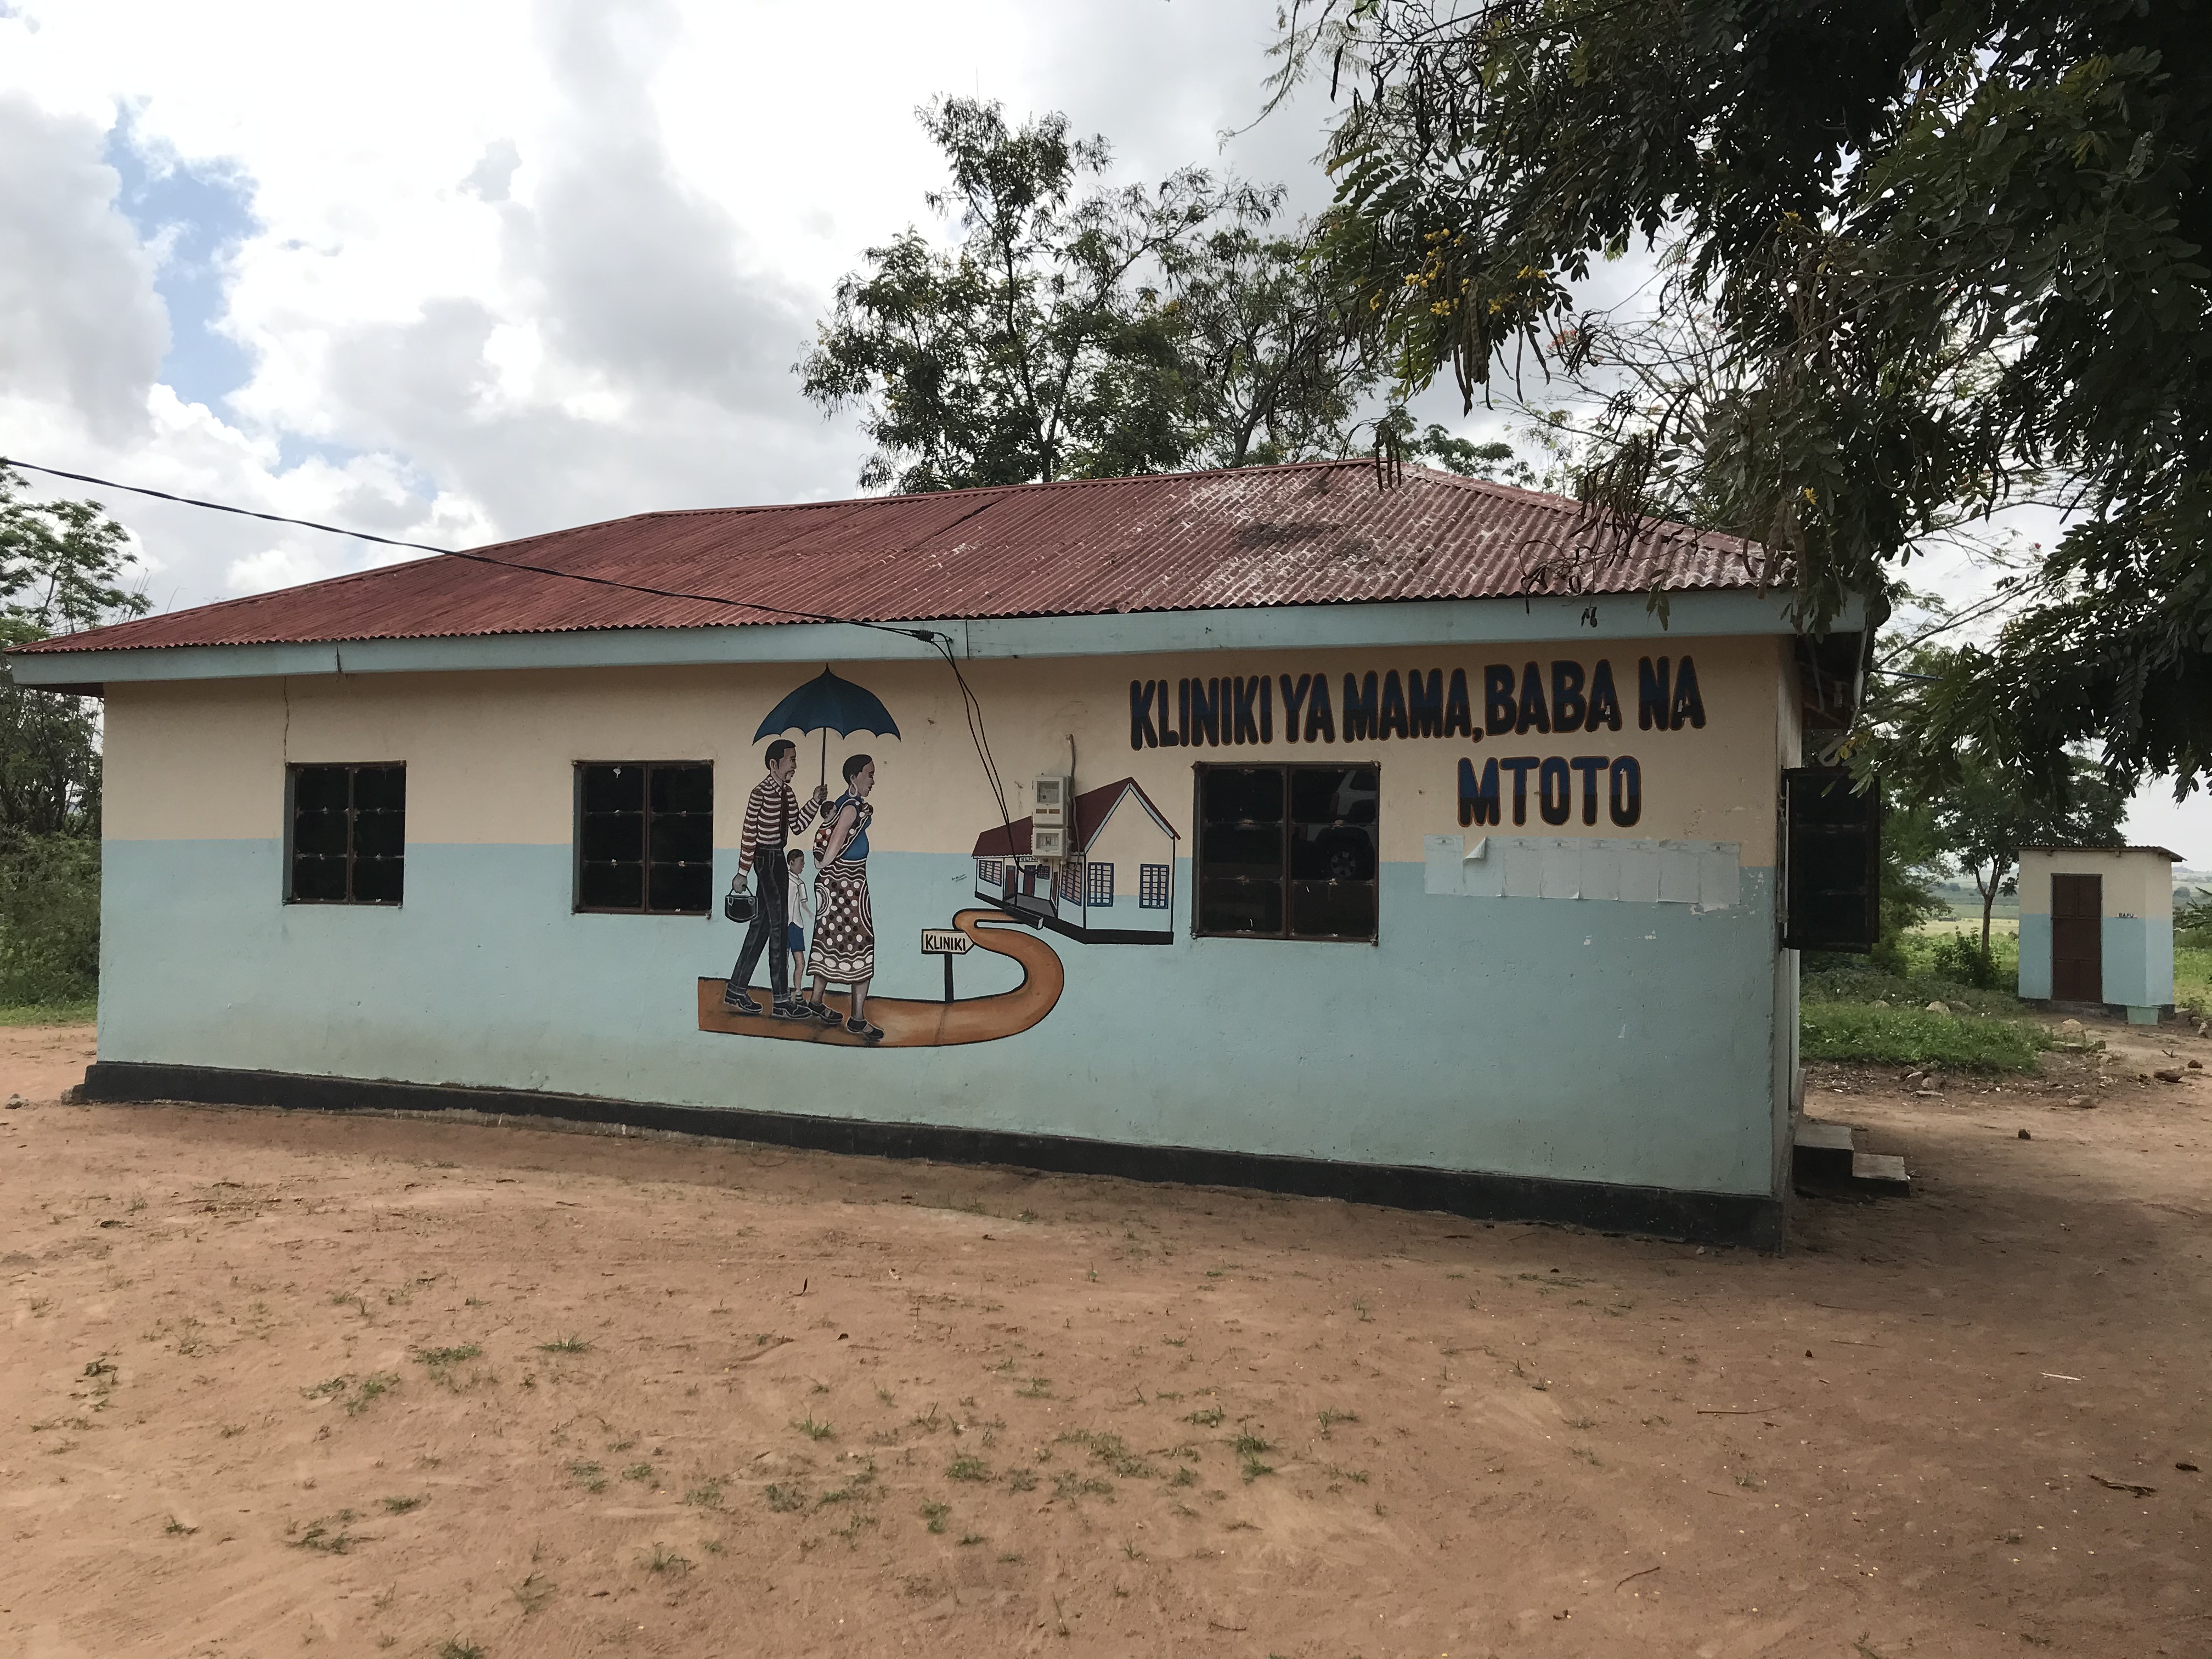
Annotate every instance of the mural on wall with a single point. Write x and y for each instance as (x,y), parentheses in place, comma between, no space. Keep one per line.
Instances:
(1119,890)
(818,934)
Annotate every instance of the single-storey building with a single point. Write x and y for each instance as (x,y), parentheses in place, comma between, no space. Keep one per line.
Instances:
(1428,847)
(2096,926)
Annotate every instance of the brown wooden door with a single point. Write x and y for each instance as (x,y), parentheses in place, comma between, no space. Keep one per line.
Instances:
(2077,938)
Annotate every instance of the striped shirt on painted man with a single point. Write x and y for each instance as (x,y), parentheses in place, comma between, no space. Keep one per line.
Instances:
(773,815)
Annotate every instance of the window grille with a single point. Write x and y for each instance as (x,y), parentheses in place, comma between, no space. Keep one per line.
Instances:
(1287,852)
(1155,881)
(1098,886)
(346,839)
(645,837)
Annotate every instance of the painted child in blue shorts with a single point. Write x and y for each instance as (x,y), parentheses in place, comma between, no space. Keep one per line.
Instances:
(800,908)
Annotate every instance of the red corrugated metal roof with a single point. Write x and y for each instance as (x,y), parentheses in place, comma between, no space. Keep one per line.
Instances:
(1315,533)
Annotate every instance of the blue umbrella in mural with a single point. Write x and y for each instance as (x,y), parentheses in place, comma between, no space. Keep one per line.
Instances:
(827,703)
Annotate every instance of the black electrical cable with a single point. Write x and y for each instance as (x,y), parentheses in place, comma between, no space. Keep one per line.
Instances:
(971,706)
(928,635)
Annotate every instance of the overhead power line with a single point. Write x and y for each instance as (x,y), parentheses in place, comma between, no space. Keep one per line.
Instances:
(942,643)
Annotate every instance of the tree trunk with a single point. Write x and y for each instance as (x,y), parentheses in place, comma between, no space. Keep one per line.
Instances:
(1989,900)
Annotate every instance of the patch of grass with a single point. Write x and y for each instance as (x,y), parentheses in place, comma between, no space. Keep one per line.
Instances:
(1208,1418)
(2192,978)
(784,1498)
(639,1472)
(1907,1035)
(707,1495)
(1021,1481)
(1038,1387)
(812,1430)
(1330,1417)
(1248,1447)
(447,1355)
(972,1538)
(49,1013)
(588,1476)
(177,1528)
(1072,1485)
(323,1390)
(659,1558)
(457,1649)
(319,1535)
(966,1468)
(381,1382)
(565,1344)
(1109,1450)
(401,1506)
(933,1514)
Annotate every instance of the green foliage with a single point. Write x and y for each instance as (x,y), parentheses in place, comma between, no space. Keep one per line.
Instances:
(1922,261)
(1967,961)
(1869,1032)
(49,920)
(62,568)
(1079,330)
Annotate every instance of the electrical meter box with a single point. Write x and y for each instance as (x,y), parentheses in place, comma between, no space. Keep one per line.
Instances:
(1052,822)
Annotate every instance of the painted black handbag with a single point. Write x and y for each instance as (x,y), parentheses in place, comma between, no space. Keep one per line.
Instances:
(738,905)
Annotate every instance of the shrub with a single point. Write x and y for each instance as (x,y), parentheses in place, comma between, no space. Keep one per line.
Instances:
(49,920)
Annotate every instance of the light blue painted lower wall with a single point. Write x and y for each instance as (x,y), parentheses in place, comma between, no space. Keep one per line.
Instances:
(2138,961)
(2138,965)
(1585,1041)
(2034,955)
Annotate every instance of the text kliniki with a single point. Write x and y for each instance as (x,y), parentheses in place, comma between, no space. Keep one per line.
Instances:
(1227,710)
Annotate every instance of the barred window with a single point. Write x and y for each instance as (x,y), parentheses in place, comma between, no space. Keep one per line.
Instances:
(1154,883)
(346,841)
(1098,886)
(990,869)
(1287,852)
(645,837)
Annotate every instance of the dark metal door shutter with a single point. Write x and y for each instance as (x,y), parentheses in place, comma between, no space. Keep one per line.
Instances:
(1831,860)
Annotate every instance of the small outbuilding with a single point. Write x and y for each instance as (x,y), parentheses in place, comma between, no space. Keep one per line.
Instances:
(2096,926)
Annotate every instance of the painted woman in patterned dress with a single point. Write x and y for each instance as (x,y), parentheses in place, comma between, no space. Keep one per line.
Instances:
(844,926)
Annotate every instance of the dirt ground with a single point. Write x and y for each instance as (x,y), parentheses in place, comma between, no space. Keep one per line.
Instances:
(280,1383)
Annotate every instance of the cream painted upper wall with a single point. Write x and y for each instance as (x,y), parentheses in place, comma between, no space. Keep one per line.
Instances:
(2135,883)
(489,756)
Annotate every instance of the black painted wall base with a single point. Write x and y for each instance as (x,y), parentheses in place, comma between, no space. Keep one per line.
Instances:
(1739,1218)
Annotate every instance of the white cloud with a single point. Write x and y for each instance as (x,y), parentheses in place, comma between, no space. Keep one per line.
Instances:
(521,264)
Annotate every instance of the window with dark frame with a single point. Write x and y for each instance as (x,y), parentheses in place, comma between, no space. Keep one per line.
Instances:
(645,837)
(1287,852)
(1097,886)
(1155,882)
(346,834)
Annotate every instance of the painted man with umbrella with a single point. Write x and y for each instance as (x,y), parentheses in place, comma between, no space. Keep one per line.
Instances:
(825,703)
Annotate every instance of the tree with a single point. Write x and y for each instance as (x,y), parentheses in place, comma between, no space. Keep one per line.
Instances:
(1081,330)
(62,568)
(1269,373)
(1988,813)
(1950,252)
(1977,811)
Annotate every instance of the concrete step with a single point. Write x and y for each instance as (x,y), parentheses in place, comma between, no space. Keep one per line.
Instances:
(1880,1174)
(1825,1157)
(1822,1150)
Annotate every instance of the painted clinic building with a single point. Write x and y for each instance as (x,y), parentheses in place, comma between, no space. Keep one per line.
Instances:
(1415,852)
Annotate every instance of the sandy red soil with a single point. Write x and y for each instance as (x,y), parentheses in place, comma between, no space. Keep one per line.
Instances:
(1919,1431)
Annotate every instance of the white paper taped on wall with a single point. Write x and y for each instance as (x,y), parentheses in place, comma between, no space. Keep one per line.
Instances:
(1704,874)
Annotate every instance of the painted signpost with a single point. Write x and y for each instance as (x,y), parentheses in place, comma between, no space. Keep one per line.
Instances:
(946,942)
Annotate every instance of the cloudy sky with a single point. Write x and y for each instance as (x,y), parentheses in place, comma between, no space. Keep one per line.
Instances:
(450,273)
